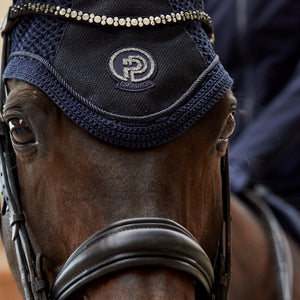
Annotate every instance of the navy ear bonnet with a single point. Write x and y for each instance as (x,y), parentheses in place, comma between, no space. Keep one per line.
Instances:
(133,73)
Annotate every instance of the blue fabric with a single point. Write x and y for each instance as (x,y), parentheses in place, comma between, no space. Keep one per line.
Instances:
(259,46)
(267,151)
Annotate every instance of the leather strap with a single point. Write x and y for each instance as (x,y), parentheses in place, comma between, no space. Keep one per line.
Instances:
(142,242)
(27,253)
(223,260)
(281,252)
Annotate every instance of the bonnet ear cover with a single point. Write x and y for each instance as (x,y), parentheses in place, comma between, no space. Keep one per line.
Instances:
(134,73)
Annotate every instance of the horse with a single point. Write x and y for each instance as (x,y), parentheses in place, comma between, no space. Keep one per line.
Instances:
(83,218)
(123,184)
(112,179)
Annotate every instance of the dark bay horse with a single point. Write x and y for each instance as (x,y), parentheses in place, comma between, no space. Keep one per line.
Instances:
(103,184)
(117,184)
(115,120)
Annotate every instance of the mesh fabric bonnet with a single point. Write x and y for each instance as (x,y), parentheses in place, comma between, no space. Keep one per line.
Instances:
(132,86)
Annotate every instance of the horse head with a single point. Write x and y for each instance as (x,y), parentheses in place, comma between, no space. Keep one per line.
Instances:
(98,179)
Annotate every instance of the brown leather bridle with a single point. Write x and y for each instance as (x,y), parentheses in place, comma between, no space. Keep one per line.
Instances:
(156,241)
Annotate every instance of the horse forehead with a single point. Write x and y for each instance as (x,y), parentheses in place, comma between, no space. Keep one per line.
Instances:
(21,93)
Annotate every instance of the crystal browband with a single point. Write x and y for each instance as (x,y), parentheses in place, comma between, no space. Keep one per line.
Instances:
(103,20)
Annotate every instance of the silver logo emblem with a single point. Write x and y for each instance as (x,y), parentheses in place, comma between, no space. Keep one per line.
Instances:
(132,68)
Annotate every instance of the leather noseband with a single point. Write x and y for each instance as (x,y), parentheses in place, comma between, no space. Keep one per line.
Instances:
(131,243)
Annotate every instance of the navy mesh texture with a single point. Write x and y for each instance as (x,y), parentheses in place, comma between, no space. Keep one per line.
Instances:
(39,35)
(186,4)
(47,34)
(195,28)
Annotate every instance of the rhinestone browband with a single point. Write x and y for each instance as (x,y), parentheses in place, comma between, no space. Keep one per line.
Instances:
(68,13)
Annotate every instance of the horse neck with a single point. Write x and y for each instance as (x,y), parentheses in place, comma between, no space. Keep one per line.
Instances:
(252,266)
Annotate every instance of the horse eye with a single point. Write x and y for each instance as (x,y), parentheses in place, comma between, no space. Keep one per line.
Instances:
(20,131)
(229,127)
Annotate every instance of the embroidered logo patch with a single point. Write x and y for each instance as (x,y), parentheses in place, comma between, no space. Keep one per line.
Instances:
(132,68)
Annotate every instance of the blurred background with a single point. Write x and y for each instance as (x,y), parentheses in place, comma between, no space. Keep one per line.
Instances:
(8,289)
(4,5)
